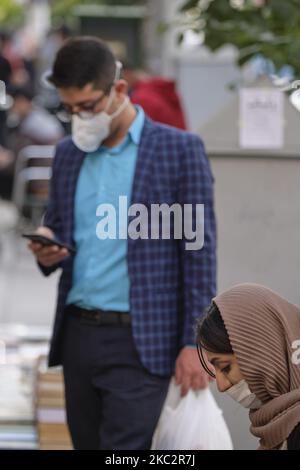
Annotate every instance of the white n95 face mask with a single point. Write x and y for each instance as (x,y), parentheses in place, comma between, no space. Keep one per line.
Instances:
(243,395)
(88,134)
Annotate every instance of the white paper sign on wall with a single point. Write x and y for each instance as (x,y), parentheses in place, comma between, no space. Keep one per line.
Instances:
(261,118)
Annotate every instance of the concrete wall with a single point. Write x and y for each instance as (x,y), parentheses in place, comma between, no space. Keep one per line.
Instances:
(257,204)
(203,80)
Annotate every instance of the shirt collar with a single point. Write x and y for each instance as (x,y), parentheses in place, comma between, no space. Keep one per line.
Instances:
(136,128)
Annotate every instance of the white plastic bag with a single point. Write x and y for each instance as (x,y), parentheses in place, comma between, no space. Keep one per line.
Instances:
(193,422)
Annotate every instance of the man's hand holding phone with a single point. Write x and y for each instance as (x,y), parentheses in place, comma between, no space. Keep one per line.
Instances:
(47,255)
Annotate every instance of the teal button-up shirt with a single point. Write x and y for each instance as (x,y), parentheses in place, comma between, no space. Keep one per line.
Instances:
(100,275)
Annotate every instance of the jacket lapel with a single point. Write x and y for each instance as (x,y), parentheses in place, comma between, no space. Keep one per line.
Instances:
(144,160)
(74,162)
(142,176)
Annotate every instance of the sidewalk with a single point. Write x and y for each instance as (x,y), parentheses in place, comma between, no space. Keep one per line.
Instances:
(26,296)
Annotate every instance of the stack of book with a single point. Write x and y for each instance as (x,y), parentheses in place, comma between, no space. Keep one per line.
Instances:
(20,346)
(52,429)
(17,427)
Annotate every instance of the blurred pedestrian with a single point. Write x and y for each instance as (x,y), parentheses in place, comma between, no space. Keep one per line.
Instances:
(19,74)
(26,124)
(53,42)
(156,95)
(48,95)
(29,123)
(251,336)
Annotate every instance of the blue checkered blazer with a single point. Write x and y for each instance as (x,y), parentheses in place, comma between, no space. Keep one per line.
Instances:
(170,287)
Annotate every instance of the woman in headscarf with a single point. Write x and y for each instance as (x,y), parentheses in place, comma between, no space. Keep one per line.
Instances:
(251,336)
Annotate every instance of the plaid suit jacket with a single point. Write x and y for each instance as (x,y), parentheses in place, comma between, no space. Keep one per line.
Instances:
(169,286)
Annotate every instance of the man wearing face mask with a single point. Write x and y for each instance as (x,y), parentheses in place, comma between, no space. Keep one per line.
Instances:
(126,307)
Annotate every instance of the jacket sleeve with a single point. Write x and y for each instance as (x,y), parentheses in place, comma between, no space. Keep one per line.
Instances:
(51,218)
(198,264)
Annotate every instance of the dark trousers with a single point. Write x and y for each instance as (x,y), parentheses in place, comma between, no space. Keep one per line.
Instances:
(112,401)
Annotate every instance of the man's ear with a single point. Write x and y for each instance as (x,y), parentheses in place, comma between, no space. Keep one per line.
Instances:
(121,87)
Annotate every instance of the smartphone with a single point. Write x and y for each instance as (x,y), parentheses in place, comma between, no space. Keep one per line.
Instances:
(45,241)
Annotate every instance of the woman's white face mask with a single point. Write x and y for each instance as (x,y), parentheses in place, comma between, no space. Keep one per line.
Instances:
(88,134)
(243,395)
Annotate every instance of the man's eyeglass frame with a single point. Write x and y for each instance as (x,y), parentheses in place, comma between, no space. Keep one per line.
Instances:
(65,112)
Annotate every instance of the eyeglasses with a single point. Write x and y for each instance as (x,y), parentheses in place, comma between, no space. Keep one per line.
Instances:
(65,112)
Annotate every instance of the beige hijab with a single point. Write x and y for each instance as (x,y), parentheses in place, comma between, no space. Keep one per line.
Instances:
(263,329)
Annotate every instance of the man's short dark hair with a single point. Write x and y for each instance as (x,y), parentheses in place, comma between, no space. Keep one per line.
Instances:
(83,60)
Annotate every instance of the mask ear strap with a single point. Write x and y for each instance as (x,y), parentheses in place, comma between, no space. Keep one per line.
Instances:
(121,108)
(110,99)
(119,67)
